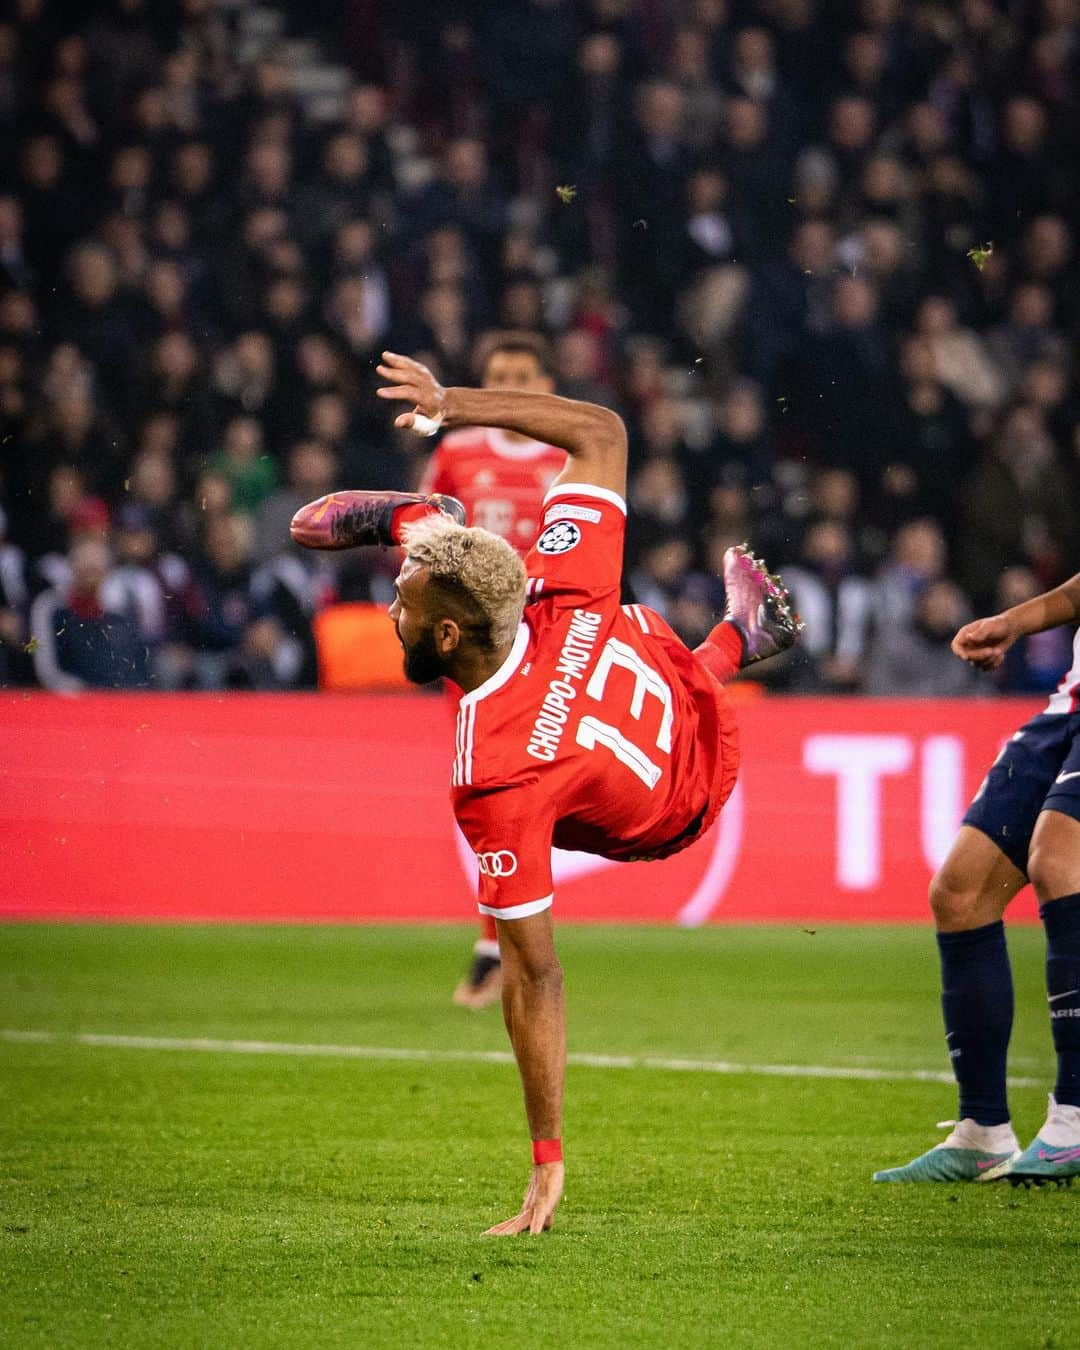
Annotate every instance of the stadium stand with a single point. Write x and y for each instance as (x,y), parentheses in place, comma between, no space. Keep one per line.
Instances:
(821,255)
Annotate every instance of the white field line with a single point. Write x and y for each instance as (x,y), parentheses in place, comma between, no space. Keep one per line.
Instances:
(208,1045)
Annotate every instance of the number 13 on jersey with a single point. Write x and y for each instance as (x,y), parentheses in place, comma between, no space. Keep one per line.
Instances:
(593,731)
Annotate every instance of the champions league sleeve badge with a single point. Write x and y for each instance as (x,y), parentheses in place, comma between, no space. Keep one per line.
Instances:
(559,538)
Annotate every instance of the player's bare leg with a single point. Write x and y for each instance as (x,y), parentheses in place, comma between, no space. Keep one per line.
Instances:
(758,622)
(1054,868)
(968,895)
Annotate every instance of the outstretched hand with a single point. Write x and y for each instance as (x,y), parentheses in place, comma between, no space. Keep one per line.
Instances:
(411,382)
(538,1207)
(984,643)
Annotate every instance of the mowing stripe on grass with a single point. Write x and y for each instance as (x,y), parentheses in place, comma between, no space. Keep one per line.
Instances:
(208,1045)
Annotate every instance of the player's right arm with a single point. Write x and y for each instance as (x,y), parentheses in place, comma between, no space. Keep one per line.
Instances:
(984,642)
(510,831)
(535,1017)
(593,437)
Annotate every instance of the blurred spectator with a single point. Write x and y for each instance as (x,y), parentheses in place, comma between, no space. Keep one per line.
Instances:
(713,304)
(245,375)
(1047,255)
(1023,179)
(14,606)
(132,587)
(312,471)
(658,500)
(741,443)
(836,605)
(1017,508)
(1028,335)
(929,444)
(579,366)
(694,608)
(854,378)
(100,320)
(916,560)
(703,102)
(237,641)
(249,472)
(77,642)
(791,300)
(914,659)
(174,382)
(658,576)
(465,194)
(650,170)
(960,356)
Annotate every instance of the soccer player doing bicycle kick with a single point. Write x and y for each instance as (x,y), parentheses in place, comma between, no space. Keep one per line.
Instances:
(583,723)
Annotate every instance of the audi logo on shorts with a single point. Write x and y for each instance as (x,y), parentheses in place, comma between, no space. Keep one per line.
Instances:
(501,864)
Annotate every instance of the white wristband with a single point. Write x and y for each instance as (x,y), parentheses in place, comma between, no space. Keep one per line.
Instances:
(427,426)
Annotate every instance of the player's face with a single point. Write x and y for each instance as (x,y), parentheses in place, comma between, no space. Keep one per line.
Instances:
(415,626)
(516,370)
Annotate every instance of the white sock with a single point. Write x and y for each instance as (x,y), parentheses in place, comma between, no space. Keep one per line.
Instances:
(1062,1128)
(985,1138)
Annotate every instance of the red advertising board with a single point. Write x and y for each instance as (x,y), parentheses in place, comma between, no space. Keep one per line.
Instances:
(336,809)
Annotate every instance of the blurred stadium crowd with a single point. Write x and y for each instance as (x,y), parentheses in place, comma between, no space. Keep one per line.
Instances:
(822,255)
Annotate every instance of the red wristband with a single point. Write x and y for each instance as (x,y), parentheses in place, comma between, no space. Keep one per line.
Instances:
(547,1150)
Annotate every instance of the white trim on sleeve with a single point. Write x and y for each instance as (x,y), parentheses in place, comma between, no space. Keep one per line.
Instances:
(585,490)
(636,613)
(524,911)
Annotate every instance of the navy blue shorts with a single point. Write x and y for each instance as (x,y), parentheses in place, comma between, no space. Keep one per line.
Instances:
(1038,770)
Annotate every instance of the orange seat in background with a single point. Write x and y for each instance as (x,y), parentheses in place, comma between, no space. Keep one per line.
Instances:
(358,648)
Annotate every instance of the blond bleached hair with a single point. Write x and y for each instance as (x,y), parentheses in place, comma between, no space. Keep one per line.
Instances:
(475,569)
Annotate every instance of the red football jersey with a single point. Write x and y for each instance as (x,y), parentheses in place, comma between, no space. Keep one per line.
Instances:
(601,731)
(500,482)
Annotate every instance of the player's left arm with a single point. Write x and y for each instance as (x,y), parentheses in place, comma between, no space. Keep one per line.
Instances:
(593,437)
(535,1016)
(984,642)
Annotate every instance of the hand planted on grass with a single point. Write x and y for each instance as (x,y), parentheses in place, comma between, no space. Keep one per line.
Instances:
(538,1207)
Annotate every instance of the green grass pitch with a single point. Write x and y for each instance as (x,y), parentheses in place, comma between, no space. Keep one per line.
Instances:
(167,1197)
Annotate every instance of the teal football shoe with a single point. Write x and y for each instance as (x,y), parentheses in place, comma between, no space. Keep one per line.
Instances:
(971,1153)
(1054,1155)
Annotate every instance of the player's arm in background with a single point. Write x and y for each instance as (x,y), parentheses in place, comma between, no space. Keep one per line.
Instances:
(984,642)
(593,437)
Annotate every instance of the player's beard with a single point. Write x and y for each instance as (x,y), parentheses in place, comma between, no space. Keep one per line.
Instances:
(422,660)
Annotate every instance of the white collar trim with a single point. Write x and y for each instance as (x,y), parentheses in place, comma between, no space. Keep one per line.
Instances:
(506,670)
(505,448)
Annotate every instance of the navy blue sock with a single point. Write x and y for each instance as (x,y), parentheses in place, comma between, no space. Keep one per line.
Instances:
(977,1001)
(1061,919)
